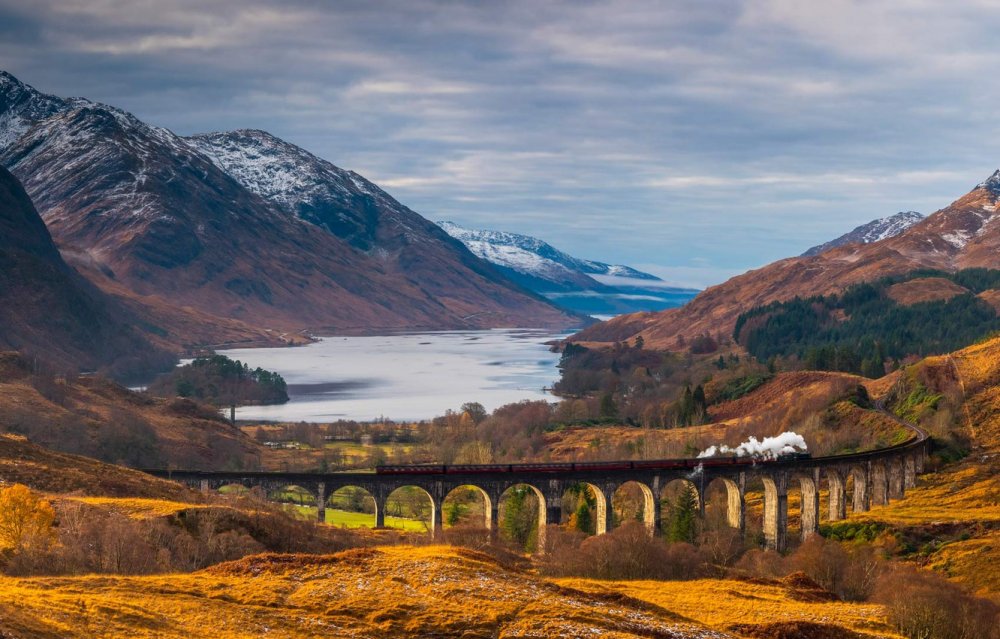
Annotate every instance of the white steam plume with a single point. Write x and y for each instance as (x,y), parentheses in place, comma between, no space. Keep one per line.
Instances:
(769,448)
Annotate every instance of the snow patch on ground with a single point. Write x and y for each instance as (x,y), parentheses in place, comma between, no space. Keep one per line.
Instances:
(958,238)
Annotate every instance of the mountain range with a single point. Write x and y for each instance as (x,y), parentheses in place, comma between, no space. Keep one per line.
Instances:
(584,286)
(964,234)
(242,229)
(874,231)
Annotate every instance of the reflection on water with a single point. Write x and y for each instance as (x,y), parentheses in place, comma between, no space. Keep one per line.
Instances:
(405,376)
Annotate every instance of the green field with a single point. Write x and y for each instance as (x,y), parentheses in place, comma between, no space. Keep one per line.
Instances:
(353,453)
(349,519)
(296,499)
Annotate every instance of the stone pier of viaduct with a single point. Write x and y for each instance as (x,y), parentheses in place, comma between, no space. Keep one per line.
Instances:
(876,477)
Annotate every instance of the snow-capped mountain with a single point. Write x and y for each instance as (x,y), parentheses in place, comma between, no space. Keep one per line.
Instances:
(244,226)
(582,285)
(532,256)
(316,191)
(874,231)
(21,106)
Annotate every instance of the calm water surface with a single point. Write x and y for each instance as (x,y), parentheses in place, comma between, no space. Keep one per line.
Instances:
(405,376)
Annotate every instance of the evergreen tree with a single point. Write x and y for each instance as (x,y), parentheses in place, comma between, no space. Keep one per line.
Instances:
(609,410)
(685,407)
(518,523)
(699,405)
(583,520)
(683,522)
(861,329)
(453,512)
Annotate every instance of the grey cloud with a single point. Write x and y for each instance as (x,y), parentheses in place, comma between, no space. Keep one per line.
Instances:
(663,134)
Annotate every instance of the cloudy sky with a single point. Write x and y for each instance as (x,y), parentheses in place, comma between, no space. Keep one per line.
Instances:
(695,139)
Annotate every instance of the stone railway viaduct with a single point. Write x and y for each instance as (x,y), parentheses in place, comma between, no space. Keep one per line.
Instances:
(877,477)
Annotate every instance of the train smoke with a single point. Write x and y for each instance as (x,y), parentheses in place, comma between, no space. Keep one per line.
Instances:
(768,448)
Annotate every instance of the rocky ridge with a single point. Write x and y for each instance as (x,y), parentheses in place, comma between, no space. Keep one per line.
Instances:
(874,231)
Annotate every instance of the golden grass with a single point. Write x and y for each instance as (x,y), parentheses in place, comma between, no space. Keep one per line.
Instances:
(966,494)
(963,496)
(721,603)
(139,508)
(973,563)
(430,591)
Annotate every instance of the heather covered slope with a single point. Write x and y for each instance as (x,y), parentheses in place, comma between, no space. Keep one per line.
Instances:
(160,218)
(39,468)
(962,235)
(357,211)
(48,309)
(94,417)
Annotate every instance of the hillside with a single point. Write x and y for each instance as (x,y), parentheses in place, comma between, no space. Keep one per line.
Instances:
(778,609)
(860,329)
(948,523)
(962,235)
(43,469)
(162,220)
(346,205)
(100,419)
(398,592)
(813,404)
(48,309)
(955,511)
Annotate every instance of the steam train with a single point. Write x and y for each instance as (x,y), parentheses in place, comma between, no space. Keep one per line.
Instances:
(562,467)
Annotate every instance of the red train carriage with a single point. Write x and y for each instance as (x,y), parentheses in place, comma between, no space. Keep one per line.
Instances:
(609,466)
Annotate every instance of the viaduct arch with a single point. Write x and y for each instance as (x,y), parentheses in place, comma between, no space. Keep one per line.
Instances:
(877,476)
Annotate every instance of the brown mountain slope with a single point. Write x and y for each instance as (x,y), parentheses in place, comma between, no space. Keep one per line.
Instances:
(48,309)
(100,419)
(925,289)
(964,234)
